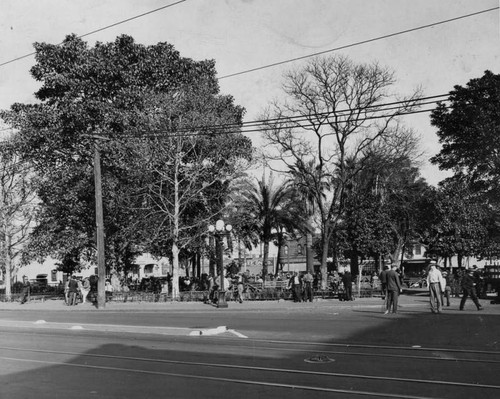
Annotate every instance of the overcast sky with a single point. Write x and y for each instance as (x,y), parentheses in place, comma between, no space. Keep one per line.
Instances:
(246,34)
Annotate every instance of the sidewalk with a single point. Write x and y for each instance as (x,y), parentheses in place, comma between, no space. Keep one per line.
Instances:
(417,300)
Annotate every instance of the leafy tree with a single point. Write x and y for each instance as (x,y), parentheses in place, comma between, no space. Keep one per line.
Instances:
(18,208)
(334,113)
(187,172)
(469,131)
(381,208)
(456,222)
(120,92)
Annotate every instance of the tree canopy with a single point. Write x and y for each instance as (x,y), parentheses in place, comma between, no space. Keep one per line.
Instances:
(469,131)
(135,101)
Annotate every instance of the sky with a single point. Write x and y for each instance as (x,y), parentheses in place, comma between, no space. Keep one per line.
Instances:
(244,34)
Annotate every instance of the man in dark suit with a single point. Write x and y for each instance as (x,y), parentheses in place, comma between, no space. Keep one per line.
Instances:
(393,289)
(347,281)
(469,289)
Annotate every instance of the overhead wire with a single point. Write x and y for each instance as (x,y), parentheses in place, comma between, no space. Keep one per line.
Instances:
(382,106)
(292,121)
(100,29)
(256,123)
(258,129)
(357,43)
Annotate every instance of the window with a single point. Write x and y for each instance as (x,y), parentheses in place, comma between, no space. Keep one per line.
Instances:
(299,249)
(418,249)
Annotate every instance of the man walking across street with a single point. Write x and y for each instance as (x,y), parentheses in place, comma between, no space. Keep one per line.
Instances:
(434,279)
(393,289)
(468,289)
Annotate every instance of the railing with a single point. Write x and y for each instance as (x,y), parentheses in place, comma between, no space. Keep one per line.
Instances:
(268,291)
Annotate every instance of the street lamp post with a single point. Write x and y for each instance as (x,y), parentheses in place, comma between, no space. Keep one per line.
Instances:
(220,230)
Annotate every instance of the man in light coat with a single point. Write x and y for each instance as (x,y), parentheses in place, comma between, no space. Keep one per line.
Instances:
(434,281)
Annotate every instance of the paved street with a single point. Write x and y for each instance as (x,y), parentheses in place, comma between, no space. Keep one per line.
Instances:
(275,349)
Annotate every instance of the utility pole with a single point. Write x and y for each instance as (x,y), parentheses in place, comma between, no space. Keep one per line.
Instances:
(101,267)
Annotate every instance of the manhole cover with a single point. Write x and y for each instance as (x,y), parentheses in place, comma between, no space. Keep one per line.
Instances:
(319,359)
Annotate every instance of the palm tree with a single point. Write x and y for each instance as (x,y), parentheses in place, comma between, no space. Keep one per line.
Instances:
(265,209)
(310,186)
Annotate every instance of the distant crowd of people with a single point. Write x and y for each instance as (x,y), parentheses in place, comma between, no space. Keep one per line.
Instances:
(442,285)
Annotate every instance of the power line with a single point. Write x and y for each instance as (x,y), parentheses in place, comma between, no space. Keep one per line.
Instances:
(358,43)
(240,127)
(101,29)
(306,118)
(375,108)
(263,128)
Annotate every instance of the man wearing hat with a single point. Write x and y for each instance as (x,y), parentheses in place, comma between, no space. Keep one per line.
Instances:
(434,279)
(468,289)
(447,289)
(393,289)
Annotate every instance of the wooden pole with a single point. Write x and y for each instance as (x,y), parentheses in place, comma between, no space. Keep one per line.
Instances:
(101,267)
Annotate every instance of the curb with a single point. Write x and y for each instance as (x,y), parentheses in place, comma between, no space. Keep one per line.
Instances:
(210,331)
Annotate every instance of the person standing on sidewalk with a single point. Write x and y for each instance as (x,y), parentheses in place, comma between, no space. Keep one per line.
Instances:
(447,289)
(295,285)
(72,291)
(383,282)
(434,279)
(347,281)
(393,289)
(25,293)
(308,286)
(469,289)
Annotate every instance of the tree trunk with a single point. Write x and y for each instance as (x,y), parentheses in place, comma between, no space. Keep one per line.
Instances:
(213,256)
(309,253)
(278,258)
(355,264)
(323,267)
(8,268)
(175,271)
(175,248)
(265,259)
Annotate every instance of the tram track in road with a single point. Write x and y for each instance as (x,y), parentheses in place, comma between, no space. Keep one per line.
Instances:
(271,377)
(413,352)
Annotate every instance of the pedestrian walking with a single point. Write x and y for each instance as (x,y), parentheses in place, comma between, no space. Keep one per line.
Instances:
(394,287)
(434,281)
(240,287)
(469,290)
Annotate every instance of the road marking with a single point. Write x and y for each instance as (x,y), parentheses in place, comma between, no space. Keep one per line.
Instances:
(239,335)
(209,331)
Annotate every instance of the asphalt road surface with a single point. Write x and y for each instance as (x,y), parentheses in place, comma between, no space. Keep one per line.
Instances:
(324,349)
